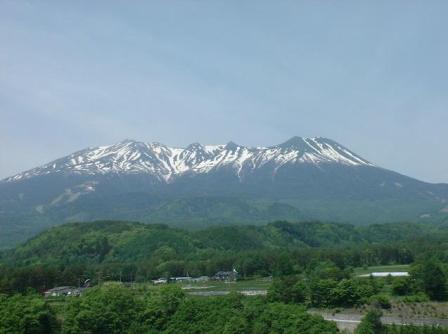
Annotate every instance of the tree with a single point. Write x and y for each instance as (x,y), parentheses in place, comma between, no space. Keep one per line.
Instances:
(431,279)
(345,293)
(282,318)
(401,286)
(162,305)
(288,289)
(27,314)
(108,309)
(236,325)
(322,292)
(371,323)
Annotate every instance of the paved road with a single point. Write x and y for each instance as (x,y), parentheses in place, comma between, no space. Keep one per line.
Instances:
(344,321)
(350,321)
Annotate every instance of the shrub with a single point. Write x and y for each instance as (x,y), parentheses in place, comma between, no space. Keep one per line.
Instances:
(380,301)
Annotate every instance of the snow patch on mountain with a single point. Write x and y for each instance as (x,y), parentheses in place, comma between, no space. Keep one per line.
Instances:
(166,163)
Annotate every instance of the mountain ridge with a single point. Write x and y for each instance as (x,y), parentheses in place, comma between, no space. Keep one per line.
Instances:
(200,185)
(164,162)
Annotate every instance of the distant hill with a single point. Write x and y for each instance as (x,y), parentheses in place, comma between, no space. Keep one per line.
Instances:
(198,186)
(122,242)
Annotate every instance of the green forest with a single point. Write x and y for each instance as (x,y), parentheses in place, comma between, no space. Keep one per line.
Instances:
(310,265)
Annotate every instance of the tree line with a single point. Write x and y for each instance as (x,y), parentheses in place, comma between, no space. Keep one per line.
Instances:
(112,308)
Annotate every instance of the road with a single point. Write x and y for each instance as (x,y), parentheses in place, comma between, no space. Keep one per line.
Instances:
(350,321)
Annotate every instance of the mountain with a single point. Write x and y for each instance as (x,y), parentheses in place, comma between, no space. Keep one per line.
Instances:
(166,164)
(302,178)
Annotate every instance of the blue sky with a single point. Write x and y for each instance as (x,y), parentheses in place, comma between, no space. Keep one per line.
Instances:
(371,75)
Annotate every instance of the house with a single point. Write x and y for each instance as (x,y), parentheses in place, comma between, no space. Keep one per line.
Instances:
(64,291)
(227,276)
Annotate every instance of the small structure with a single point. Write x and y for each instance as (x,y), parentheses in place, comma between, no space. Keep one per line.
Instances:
(64,291)
(181,279)
(227,276)
(160,281)
(386,274)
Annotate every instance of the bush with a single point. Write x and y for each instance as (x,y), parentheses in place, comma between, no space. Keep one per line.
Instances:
(380,301)
(417,298)
(402,286)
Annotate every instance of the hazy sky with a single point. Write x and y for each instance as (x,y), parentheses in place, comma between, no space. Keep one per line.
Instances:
(372,75)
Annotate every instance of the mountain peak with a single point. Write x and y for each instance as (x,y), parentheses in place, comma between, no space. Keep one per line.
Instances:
(231,146)
(128,141)
(293,141)
(195,147)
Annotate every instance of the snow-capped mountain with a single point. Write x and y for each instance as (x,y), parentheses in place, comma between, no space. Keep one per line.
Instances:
(167,163)
(302,178)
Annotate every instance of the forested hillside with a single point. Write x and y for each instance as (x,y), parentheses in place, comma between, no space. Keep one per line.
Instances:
(307,265)
(131,251)
(111,241)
